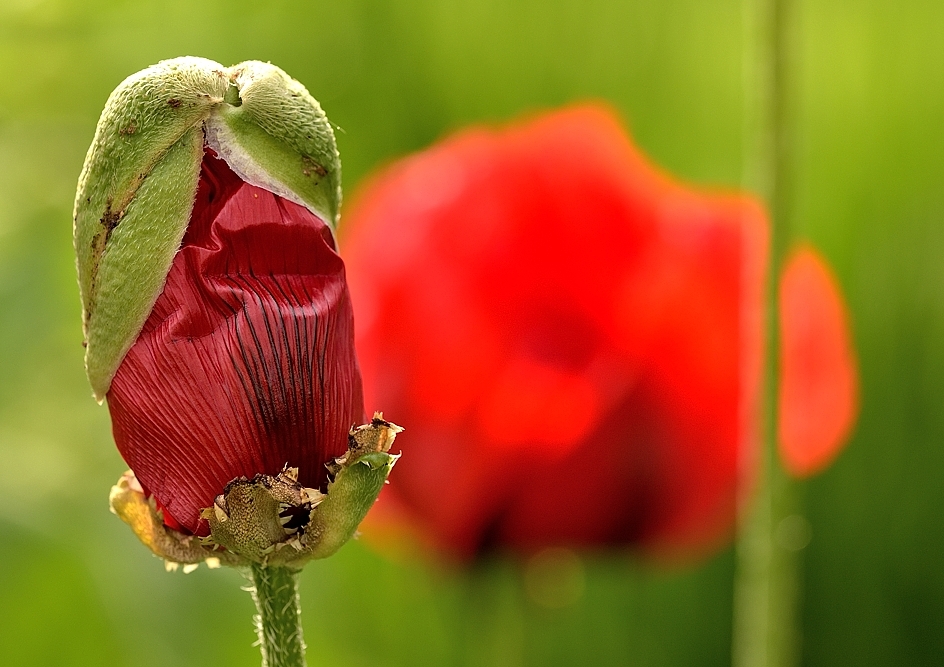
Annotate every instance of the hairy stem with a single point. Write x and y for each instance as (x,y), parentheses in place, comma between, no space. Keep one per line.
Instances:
(278,623)
(767,585)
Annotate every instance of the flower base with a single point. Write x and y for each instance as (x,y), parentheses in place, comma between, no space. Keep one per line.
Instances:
(271,520)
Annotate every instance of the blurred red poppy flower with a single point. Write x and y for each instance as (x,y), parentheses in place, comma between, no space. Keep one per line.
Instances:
(573,338)
(818,400)
(246,363)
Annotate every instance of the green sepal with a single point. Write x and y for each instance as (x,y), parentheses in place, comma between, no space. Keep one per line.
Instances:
(134,199)
(137,186)
(135,257)
(350,497)
(275,135)
(250,519)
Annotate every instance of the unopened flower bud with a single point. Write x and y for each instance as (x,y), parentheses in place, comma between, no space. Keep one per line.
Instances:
(217,316)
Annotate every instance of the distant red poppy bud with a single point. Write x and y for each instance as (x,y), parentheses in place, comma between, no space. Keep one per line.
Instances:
(574,339)
(818,400)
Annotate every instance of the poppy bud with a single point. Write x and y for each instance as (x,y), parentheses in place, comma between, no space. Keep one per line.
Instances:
(216,312)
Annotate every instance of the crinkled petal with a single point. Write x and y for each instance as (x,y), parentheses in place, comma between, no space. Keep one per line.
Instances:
(247,362)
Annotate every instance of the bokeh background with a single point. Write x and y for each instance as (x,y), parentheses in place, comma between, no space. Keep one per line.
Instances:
(867,107)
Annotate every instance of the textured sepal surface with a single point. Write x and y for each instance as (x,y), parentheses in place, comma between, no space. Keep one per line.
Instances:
(275,521)
(276,136)
(137,187)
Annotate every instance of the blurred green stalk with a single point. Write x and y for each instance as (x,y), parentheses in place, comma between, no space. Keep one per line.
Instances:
(767,581)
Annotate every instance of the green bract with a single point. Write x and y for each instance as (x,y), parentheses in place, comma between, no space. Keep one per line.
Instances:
(138,184)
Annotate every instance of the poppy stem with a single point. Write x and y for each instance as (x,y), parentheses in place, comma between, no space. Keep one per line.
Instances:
(767,582)
(278,623)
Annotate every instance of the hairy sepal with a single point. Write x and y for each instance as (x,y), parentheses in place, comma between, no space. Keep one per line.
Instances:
(277,137)
(137,187)
(274,521)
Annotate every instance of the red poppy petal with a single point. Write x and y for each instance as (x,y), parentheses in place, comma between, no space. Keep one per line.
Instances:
(572,338)
(246,363)
(818,401)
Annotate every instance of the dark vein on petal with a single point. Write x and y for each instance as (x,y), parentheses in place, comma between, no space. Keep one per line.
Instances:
(301,393)
(322,350)
(289,385)
(257,398)
(273,369)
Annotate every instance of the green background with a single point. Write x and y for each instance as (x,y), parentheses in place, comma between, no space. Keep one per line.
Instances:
(867,103)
